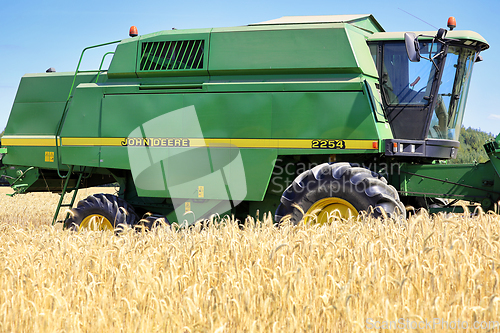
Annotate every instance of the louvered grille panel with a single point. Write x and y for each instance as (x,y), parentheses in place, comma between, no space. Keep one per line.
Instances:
(172,55)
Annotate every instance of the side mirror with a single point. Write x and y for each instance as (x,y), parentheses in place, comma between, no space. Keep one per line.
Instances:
(412,48)
(441,34)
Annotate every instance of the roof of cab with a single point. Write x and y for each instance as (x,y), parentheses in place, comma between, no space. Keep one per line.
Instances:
(455,34)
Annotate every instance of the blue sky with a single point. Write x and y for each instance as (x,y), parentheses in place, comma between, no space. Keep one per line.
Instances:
(42,34)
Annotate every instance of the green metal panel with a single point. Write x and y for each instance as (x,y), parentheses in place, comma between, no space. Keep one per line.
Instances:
(473,182)
(83,120)
(85,156)
(235,115)
(39,118)
(313,48)
(123,113)
(323,115)
(28,156)
(220,115)
(84,115)
(114,158)
(361,51)
(46,87)
(40,101)
(373,93)
(184,181)
(124,61)
(384,132)
(259,166)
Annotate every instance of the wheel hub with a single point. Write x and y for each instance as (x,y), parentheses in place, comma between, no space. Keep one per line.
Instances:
(96,222)
(325,210)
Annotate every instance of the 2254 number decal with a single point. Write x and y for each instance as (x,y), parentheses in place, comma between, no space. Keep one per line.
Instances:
(328,144)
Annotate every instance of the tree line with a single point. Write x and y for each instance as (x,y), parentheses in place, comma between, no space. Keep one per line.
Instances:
(471,146)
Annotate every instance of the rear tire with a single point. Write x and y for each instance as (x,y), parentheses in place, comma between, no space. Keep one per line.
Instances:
(341,189)
(101,212)
(150,221)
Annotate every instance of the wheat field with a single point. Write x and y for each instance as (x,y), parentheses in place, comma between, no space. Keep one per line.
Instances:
(348,276)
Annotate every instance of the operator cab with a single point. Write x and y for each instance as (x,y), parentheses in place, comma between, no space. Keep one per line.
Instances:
(424,99)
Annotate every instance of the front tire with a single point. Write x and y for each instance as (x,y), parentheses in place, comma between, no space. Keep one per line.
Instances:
(338,189)
(101,212)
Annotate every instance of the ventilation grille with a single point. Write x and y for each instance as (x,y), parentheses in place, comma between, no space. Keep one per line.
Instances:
(172,55)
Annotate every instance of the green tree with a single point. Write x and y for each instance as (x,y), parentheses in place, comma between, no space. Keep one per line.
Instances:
(471,146)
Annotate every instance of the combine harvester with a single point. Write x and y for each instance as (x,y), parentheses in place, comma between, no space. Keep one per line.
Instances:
(303,116)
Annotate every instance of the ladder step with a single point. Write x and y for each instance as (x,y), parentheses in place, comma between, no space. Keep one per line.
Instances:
(67,189)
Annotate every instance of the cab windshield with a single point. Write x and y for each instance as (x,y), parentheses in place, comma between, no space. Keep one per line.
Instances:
(408,84)
(450,107)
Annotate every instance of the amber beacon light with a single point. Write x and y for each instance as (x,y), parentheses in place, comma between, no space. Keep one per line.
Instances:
(452,23)
(133,31)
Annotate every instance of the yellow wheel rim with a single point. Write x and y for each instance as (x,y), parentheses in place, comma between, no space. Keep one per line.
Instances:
(327,209)
(96,222)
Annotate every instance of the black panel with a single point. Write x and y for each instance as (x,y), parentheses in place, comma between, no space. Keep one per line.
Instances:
(429,148)
(408,122)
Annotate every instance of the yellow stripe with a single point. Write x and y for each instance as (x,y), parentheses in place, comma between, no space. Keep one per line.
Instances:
(240,143)
(92,141)
(33,142)
(194,142)
(300,144)
(360,144)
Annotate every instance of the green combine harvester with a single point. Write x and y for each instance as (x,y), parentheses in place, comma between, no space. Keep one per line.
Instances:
(307,117)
